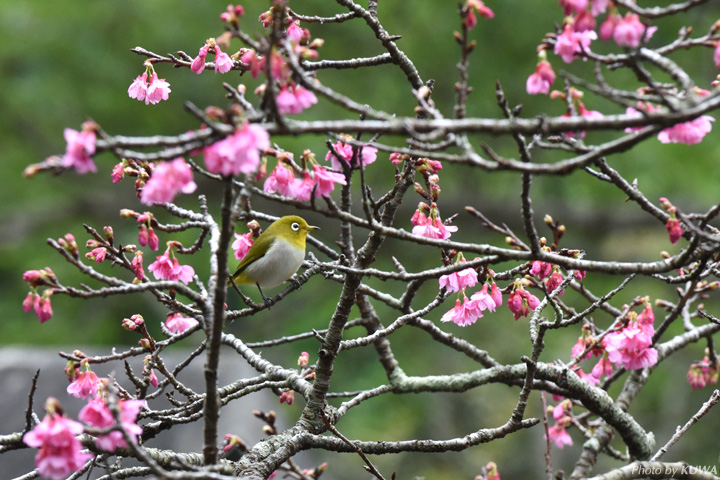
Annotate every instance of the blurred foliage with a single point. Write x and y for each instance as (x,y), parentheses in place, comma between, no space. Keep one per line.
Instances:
(61,63)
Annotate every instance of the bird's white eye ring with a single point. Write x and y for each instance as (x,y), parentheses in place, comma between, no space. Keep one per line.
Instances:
(295,226)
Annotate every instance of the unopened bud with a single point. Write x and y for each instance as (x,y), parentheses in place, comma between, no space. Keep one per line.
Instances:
(303,359)
(419,189)
(127,213)
(548,220)
(108,233)
(91,244)
(145,343)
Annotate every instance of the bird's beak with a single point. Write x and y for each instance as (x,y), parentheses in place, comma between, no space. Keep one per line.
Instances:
(311,228)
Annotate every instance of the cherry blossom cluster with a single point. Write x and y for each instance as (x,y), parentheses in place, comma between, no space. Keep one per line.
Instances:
(467,310)
(316,180)
(704,372)
(167,266)
(152,91)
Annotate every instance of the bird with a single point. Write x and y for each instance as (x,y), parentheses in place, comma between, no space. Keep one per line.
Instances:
(275,256)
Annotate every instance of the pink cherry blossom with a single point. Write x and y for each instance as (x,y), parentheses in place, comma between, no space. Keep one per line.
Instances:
(496,295)
(571,43)
(97,414)
(137,265)
(241,245)
(167,180)
(688,132)
(238,153)
(484,300)
(434,228)
(176,323)
(326,180)
(521,302)
(628,31)
(345,152)
(541,269)
(223,62)
(716,56)
(198,63)
(304,187)
(296,32)
(60,450)
(232,13)
(584,21)
(281,180)
(576,6)
(554,281)
(607,28)
(458,281)
(598,6)
(84,384)
(631,348)
(118,172)
(674,229)
(559,436)
(464,313)
(585,113)
(253,62)
(540,81)
(165,268)
(79,150)
(29,301)
(478,6)
(603,367)
(158,90)
(97,254)
(43,308)
(138,88)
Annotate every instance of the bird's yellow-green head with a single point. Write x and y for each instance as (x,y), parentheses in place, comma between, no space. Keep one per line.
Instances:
(276,254)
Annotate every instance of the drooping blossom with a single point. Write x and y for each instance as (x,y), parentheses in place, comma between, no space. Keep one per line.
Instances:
(716,56)
(559,436)
(703,373)
(630,348)
(584,21)
(167,180)
(460,280)
(43,307)
(198,63)
(295,32)
(484,299)
(281,180)
(476,6)
(137,265)
(598,6)
(541,79)
(97,254)
(541,269)
(492,471)
(430,226)
(602,367)
(84,384)
(223,62)
(345,152)
(158,90)
(79,150)
(688,132)
(60,450)
(138,88)
(176,323)
(496,295)
(97,414)
(147,235)
(232,13)
(238,153)
(674,229)
(464,313)
(326,180)
(165,268)
(521,302)
(569,44)
(554,281)
(241,245)
(294,99)
(589,378)
(607,28)
(573,6)
(628,31)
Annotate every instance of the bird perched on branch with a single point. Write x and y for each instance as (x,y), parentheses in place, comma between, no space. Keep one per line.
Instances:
(275,256)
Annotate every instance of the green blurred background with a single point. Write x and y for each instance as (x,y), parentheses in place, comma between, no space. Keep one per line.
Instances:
(65,62)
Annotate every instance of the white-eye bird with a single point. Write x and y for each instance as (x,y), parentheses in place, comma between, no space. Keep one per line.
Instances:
(275,256)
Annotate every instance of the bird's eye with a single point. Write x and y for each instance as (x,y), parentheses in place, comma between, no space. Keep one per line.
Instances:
(295,226)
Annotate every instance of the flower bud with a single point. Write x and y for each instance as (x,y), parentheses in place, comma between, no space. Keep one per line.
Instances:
(127,213)
(145,343)
(303,359)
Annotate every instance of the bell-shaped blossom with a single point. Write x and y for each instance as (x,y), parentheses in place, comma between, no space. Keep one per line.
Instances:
(602,367)
(198,63)
(304,187)
(559,436)
(629,30)
(496,295)
(464,313)
(223,62)
(631,348)
(432,226)
(574,6)
(137,265)
(165,268)
(484,299)
(458,281)
(607,28)
(97,414)
(176,323)
(294,99)
(716,56)
(703,373)
(157,90)
(84,384)
(688,132)
(138,88)
(167,180)
(241,245)
(521,302)
(253,62)
(598,6)
(569,44)
(541,269)
(345,152)
(584,21)
(553,282)
(43,308)
(238,153)
(326,180)
(296,32)
(476,6)
(79,150)
(60,450)
(541,80)
(281,180)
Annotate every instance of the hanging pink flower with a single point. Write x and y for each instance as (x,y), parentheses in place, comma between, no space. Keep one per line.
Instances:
(573,6)
(484,299)
(569,44)
(559,436)
(281,180)
(97,414)
(326,180)
(241,245)
(716,56)
(165,268)
(137,265)
(464,313)
(79,150)
(253,62)
(607,28)
(238,153)
(521,302)
(473,6)
(541,269)
(223,62)
(458,281)
(84,384)
(345,151)
(628,31)
(43,308)
(176,323)
(688,132)
(198,63)
(158,90)
(60,450)
(167,180)
(631,348)
(603,367)
(294,99)
(541,80)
